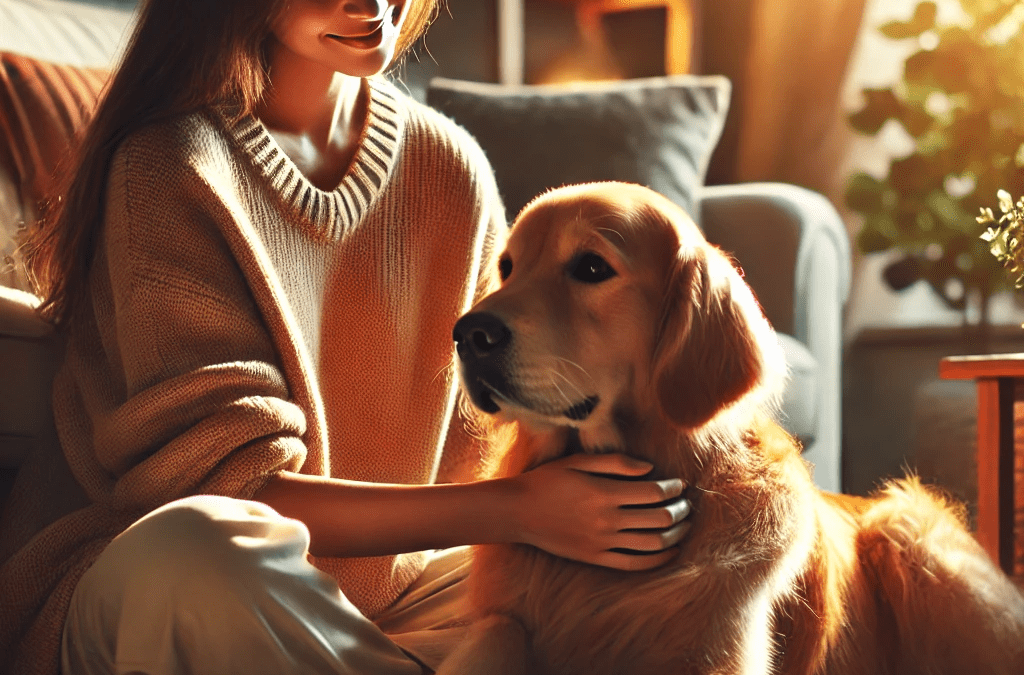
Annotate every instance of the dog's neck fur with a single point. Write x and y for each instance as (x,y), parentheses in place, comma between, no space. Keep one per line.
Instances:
(675,453)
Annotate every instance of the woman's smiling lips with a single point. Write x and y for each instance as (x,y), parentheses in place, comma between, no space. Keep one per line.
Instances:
(369,40)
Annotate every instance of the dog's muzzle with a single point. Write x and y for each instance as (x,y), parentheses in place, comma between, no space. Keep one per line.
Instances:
(484,345)
(482,342)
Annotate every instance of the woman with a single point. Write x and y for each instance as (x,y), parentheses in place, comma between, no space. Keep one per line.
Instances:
(256,264)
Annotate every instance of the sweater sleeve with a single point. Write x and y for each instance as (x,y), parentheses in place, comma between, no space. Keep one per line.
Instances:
(181,387)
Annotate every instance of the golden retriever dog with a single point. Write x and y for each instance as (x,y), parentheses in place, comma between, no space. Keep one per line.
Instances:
(618,327)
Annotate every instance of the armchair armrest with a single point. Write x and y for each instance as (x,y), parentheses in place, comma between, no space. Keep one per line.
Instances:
(30,351)
(795,252)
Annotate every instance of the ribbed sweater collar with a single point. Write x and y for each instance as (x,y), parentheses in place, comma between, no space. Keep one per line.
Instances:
(329,214)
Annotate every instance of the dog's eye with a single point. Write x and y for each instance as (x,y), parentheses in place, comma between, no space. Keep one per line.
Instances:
(505,268)
(591,268)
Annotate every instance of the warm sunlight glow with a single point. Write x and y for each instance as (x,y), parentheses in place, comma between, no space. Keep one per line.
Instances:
(595,62)
(678,29)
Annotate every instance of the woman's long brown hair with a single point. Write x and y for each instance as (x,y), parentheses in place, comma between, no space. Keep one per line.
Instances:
(184,55)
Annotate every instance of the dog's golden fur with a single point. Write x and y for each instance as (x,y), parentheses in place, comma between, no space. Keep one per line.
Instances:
(775,575)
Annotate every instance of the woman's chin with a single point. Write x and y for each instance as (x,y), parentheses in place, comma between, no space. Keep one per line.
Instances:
(357,62)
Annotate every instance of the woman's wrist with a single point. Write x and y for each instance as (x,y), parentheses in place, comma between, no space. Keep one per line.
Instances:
(348,519)
(503,522)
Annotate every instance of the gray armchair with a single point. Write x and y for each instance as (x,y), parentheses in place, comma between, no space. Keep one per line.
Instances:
(661,132)
(795,253)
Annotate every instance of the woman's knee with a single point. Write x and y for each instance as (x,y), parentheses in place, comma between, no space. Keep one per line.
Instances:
(223,583)
(187,571)
(204,542)
(194,555)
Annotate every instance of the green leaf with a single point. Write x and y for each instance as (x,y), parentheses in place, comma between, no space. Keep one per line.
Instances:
(999,246)
(947,68)
(922,21)
(865,193)
(916,174)
(880,105)
(877,234)
(949,212)
(987,13)
(915,120)
(924,221)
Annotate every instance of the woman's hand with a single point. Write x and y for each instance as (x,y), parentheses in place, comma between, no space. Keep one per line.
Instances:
(572,507)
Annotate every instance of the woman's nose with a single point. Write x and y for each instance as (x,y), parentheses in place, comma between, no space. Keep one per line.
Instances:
(365,9)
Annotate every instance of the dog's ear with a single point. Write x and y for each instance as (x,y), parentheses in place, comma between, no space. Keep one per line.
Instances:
(708,353)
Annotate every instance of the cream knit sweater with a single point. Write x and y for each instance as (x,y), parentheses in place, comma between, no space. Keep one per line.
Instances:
(244,322)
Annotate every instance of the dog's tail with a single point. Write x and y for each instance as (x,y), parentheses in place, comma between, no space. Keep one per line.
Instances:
(951,609)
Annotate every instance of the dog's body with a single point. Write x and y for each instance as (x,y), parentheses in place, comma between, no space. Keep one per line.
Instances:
(619,328)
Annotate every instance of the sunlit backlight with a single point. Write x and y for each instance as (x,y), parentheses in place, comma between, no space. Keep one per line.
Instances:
(954,289)
(938,104)
(960,186)
(1009,27)
(591,62)
(594,61)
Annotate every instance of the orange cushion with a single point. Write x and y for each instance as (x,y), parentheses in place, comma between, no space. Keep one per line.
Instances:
(42,107)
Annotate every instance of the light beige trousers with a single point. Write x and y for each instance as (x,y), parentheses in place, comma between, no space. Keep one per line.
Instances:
(222,586)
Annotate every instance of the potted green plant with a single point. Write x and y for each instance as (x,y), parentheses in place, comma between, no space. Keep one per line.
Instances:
(1005,236)
(961,100)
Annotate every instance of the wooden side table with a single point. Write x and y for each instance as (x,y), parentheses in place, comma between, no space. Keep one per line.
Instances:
(999,377)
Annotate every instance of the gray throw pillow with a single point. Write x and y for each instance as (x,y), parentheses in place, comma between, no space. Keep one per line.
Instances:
(659,132)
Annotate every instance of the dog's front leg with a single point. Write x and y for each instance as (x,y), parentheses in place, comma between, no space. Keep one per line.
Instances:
(495,645)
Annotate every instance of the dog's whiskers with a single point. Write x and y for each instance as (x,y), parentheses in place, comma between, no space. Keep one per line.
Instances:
(574,365)
(572,384)
(450,368)
(559,389)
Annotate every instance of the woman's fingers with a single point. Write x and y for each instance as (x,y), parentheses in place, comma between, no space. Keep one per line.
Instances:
(630,562)
(643,493)
(610,465)
(651,540)
(655,517)
(643,550)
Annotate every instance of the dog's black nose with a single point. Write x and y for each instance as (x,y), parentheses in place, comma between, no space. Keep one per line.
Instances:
(480,334)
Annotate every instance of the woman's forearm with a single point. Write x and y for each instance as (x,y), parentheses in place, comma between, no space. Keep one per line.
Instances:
(574,507)
(351,519)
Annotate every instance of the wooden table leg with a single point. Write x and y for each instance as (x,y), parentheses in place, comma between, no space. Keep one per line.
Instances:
(995,469)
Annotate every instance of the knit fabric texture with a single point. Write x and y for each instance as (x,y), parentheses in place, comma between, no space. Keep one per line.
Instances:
(243,322)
